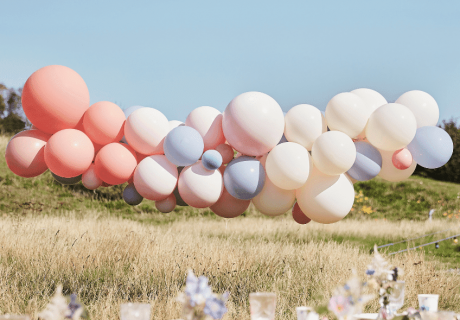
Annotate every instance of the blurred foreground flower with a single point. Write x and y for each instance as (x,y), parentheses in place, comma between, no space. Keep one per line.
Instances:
(59,308)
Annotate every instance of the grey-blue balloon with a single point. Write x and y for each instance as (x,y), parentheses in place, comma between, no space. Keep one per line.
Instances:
(66,181)
(183,146)
(127,112)
(368,162)
(131,196)
(244,177)
(211,159)
(283,139)
(431,147)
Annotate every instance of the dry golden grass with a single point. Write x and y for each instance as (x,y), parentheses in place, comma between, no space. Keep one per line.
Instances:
(108,261)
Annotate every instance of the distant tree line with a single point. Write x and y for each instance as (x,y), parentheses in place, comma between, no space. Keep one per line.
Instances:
(11,120)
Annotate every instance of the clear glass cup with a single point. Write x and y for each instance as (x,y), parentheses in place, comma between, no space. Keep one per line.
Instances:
(396,298)
(135,311)
(263,305)
(14,317)
(428,302)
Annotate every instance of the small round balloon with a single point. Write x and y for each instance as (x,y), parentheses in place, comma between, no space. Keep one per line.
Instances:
(131,196)
(66,181)
(402,159)
(166,205)
(183,146)
(299,216)
(368,162)
(211,160)
(228,206)
(432,147)
(244,177)
(90,180)
(208,122)
(103,122)
(272,200)
(422,105)
(226,152)
(389,172)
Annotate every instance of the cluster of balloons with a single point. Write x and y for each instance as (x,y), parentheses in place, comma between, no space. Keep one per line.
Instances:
(303,160)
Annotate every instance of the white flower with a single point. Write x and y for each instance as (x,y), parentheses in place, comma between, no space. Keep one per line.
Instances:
(57,309)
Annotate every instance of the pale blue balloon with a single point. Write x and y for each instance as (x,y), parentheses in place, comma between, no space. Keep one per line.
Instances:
(211,159)
(127,112)
(368,162)
(431,147)
(183,146)
(66,181)
(244,177)
(131,196)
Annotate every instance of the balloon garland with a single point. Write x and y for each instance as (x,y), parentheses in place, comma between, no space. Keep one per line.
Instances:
(303,159)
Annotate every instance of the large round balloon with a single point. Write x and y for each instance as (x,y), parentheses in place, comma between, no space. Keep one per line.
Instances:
(199,187)
(103,122)
(226,152)
(304,124)
(145,130)
(155,177)
(244,177)
(115,163)
(183,146)
(66,181)
(372,100)
(288,165)
(228,206)
(391,127)
(90,179)
(299,216)
(272,200)
(131,196)
(422,105)
(347,112)
(402,159)
(208,122)
(25,153)
(367,164)
(432,147)
(166,205)
(389,172)
(55,98)
(211,160)
(333,153)
(127,113)
(69,153)
(253,123)
(325,198)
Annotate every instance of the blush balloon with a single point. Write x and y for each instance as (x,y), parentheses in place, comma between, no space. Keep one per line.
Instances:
(228,206)
(166,205)
(115,163)
(299,216)
(208,122)
(103,122)
(90,180)
(226,152)
(402,159)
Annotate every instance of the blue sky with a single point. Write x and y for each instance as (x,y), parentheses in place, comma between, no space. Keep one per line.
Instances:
(178,55)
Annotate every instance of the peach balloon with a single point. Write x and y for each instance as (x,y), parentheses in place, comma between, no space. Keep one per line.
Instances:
(166,205)
(226,152)
(115,163)
(90,180)
(208,122)
(228,206)
(25,153)
(69,153)
(55,98)
(299,216)
(103,122)
(402,159)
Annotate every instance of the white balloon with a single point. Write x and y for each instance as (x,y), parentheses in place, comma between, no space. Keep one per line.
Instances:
(288,165)
(391,127)
(348,113)
(389,172)
(166,205)
(208,122)
(90,180)
(333,153)
(273,201)
(422,105)
(326,199)
(145,130)
(155,177)
(304,124)
(174,124)
(372,100)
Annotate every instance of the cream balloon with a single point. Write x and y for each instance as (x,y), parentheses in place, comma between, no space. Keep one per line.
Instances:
(304,124)
(333,153)
(372,100)
(273,201)
(288,165)
(348,113)
(145,130)
(166,205)
(198,187)
(208,122)
(253,123)
(422,105)
(326,199)
(155,177)
(174,124)
(90,180)
(391,127)
(389,172)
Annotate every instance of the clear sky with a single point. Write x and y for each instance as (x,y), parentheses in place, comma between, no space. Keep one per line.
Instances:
(178,55)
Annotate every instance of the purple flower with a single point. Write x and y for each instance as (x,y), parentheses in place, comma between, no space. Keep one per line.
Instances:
(73,306)
(370,272)
(197,289)
(215,307)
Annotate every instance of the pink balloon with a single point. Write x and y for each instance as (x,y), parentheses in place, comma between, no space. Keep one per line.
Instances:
(299,216)
(402,159)
(226,152)
(90,179)
(115,163)
(103,122)
(69,153)
(25,153)
(166,205)
(228,206)
(208,122)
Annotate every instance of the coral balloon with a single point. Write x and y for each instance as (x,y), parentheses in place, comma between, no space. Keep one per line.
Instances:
(131,196)
(145,130)
(228,206)
(115,163)
(103,122)
(253,123)
(67,181)
(272,200)
(69,153)
(90,180)
(299,216)
(402,159)
(55,98)
(226,152)
(166,205)
(244,177)
(155,177)
(422,105)
(25,153)
(208,122)
(389,172)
